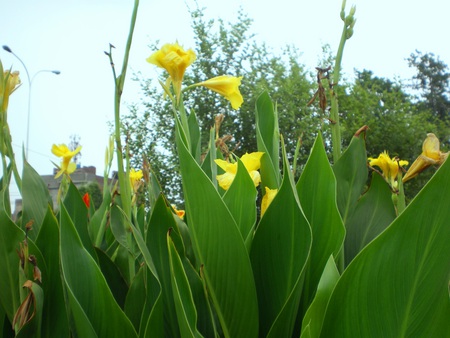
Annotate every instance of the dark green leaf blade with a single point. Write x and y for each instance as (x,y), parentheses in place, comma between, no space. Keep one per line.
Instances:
(373,213)
(219,248)
(398,284)
(317,193)
(87,288)
(279,253)
(351,175)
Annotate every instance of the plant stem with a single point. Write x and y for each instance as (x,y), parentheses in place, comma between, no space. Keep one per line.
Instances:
(124,184)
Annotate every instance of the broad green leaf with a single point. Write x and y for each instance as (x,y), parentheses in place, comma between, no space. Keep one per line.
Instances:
(182,294)
(373,213)
(113,277)
(279,254)
(240,199)
(54,319)
(97,224)
(78,212)
(313,319)
(351,175)
(161,221)
(219,249)
(135,300)
(267,138)
(152,316)
(11,236)
(194,133)
(317,193)
(35,199)
(88,292)
(397,286)
(208,165)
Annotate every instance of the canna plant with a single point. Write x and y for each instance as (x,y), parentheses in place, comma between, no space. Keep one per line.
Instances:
(335,254)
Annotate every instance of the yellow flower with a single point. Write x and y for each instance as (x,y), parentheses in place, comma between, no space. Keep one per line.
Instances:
(252,162)
(179,213)
(431,155)
(389,167)
(267,199)
(63,151)
(9,82)
(136,179)
(227,86)
(174,59)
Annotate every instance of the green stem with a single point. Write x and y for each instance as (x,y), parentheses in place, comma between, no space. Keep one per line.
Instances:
(349,22)
(334,112)
(125,188)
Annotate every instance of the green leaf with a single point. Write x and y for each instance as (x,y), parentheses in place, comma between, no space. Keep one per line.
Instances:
(11,236)
(87,290)
(35,199)
(373,213)
(219,248)
(317,193)
(152,324)
(194,133)
(313,319)
(267,138)
(113,277)
(182,295)
(351,175)
(97,223)
(54,319)
(78,212)
(240,199)
(135,300)
(398,284)
(161,221)
(279,254)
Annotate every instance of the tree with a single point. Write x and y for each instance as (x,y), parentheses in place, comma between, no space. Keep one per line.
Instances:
(223,48)
(432,83)
(396,124)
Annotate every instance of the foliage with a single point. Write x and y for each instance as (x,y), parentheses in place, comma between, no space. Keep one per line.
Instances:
(330,257)
(94,191)
(222,48)
(395,123)
(432,84)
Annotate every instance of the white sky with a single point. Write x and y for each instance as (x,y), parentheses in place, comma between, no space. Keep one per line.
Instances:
(71,36)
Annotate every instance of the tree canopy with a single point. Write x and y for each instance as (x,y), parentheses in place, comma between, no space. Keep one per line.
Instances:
(398,121)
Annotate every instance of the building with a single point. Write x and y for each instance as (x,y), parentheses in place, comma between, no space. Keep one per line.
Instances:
(80,177)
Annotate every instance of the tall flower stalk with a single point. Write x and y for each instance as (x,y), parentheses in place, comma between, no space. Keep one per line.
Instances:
(347,32)
(119,80)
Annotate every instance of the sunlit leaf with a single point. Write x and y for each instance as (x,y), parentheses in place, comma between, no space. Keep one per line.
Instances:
(279,254)
(219,248)
(373,213)
(398,284)
(87,290)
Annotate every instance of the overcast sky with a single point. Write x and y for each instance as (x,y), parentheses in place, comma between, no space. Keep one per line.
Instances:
(71,36)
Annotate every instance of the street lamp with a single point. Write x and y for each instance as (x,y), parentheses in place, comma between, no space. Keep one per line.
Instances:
(30,82)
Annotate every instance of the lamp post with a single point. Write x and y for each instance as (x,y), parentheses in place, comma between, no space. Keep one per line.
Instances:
(30,83)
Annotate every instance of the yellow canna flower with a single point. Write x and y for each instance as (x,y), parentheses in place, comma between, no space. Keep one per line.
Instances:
(179,213)
(252,163)
(227,86)
(431,155)
(174,59)
(8,84)
(267,199)
(136,179)
(63,151)
(389,167)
